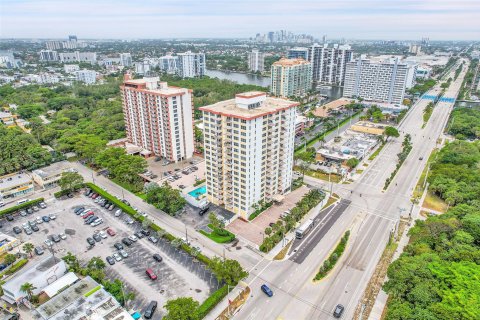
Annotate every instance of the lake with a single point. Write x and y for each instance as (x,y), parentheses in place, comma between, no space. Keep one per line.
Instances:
(238,77)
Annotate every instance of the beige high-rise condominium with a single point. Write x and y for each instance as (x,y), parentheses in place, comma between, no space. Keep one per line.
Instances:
(158,117)
(249,144)
(291,77)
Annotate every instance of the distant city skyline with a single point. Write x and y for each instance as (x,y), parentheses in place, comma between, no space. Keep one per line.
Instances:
(351,19)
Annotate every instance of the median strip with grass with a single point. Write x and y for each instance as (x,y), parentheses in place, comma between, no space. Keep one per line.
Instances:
(376,152)
(333,258)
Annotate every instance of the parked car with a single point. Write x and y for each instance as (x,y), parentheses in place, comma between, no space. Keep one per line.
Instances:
(127,242)
(48,242)
(88,214)
(55,238)
(123,253)
(29,210)
(267,290)
(151,274)
(23,213)
(103,234)
(118,213)
(203,211)
(63,236)
(9,217)
(118,246)
(85,212)
(139,235)
(79,210)
(28,231)
(133,238)
(152,306)
(129,220)
(97,237)
(36,208)
(97,222)
(110,260)
(38,220)
(17,230)
(111,232)
(46,218)
(35,228)
(90,219)
(111,208)
(153,239)
(42,205)
(337,313)
(90,241)
(117,256)
(52,216)
(39,251)
(145,232)
(157,257)
(25,226)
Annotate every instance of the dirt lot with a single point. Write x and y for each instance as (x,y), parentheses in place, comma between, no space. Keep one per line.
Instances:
(178,274)
(253,230)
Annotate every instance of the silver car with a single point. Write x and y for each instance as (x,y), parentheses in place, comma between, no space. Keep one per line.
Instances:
(117,256)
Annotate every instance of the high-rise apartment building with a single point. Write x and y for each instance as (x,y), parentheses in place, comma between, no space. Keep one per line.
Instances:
(168,64)
(382,81)
(298,52)
(48,55)
(256,61)
(77,56)
(158,118)
(54,45)
(191,64)
(291,77)
(249,144)
(126,59)
(329,63)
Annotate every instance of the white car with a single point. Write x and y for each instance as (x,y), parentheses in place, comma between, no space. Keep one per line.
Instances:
(97,222)
(118,213)
(117,256)
(48,242)
(25,225)
(63,236)
(103,234)
(52,216)
(123,253)
(129,220)
(133,238)
(39,220)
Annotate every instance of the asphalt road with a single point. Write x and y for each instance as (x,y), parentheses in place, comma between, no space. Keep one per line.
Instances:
(301,248)
(371,216)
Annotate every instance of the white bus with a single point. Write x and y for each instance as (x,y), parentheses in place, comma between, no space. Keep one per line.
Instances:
(23,201)
(304,229)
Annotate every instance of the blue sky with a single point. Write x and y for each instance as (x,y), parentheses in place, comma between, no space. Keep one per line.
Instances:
(359,19)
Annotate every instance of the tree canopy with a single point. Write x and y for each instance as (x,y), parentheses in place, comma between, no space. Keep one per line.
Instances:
(465,123)
(70,181)
(182,309)
(166,198)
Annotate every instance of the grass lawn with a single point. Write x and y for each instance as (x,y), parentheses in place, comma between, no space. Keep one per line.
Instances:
(433,202)
(218,235)
(330,201)
(359,171)
(320,175)
(376,152)
(283,252)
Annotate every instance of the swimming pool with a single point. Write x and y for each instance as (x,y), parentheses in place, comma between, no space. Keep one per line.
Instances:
(198,192)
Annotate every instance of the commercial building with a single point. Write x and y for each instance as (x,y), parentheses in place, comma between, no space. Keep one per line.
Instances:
(168,64)
(298,52)
(382,81)
(256,60)
(126,59)
(54,45)
(423,72)
(90,57)
(324,111)
(7,243)
(191,64)
(86,76)
(48,55)
(368,127)
(158,118)
(329,63)
(291,77)
(47,177)
(85,299)
(40,275)
(249,144)
(15,185)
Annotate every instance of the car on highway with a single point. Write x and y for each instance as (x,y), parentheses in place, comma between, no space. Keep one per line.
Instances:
(267,290)
(337,313)
(110,260)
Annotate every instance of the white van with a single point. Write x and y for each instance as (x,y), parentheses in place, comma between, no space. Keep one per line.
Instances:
(23,201)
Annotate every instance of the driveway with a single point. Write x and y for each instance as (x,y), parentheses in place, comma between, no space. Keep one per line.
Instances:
(253,231)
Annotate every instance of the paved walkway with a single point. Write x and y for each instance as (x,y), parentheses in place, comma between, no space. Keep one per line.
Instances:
(253,231)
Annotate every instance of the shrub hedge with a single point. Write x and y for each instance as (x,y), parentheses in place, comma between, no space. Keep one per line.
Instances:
(333,258)
(212,301)
(14,268)
(21,206)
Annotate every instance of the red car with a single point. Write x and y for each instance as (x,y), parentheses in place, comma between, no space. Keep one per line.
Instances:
(111,232)
(88,215)
(151,274)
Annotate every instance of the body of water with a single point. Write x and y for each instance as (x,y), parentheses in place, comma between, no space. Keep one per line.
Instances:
(238,77)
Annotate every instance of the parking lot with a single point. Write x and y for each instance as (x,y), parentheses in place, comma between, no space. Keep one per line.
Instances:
(178,274)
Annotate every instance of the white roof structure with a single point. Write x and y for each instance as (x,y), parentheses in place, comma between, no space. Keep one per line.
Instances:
(61,283)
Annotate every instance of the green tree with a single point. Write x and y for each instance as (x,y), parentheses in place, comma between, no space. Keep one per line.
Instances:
(352,162)
(96,263)
(10,258)
(28,248)
(391,132)
(229,271)
(166,199)
(70,181)
(72,261)
(213,219)
(182,309)
(28,288)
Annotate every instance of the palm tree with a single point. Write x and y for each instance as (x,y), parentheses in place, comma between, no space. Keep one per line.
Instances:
(28,289)
(28,248)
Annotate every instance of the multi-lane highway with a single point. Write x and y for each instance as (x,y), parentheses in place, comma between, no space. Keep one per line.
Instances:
(371,216)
